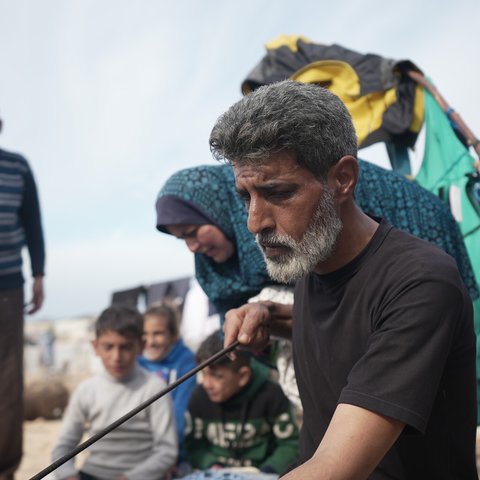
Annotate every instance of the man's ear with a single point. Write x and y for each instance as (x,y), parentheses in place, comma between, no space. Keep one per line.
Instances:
(343,176)
(245,373)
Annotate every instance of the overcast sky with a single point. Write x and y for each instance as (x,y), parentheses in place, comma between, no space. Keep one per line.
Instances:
(107,98)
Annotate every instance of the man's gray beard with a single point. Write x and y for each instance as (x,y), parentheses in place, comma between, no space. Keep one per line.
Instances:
(317,245)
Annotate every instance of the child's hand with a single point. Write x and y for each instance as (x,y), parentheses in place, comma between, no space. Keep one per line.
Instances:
(120,477)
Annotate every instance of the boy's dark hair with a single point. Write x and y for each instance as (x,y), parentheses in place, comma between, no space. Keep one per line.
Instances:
(126,321)
(212,345)
(168,312)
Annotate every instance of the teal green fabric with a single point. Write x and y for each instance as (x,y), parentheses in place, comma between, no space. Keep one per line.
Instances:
(445,163)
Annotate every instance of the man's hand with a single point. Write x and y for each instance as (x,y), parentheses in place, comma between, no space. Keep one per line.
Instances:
(250,324)
(37,295)
(253,323)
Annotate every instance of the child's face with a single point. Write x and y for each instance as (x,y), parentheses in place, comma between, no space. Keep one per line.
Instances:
(157,337)
(117,352)
(222,383)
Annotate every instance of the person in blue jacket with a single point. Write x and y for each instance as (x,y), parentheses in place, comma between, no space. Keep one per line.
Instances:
(166,355)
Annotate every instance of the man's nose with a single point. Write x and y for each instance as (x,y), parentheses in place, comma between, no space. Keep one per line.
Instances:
(259,216)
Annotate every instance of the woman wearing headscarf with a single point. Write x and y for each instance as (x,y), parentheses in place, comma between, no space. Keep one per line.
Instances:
(200,206)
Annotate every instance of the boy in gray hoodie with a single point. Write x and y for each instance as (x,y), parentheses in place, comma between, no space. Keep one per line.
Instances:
(144,447)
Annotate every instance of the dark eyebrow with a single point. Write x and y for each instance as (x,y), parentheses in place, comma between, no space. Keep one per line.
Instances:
(278,186)
(241,192)
(273,185)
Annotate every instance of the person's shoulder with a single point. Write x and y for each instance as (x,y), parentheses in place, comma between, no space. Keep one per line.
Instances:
(200,406)
(198,393)
(375,176)
(149,365)
(15,159)
(87,387)
(185,353)
(370,172)
(198,398)
(272,388)
(389,183)
(261,386)
(406,260)
(180,358)
(271,398)
(147,378)
(416,250)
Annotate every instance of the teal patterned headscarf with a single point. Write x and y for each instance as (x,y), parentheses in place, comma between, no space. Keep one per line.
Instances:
(210,191)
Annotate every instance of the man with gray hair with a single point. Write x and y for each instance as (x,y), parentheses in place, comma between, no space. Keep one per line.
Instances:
(381,325)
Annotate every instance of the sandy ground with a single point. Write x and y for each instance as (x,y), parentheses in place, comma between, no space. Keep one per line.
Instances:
(39,438)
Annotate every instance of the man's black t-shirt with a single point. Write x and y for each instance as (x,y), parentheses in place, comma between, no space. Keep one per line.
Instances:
(392,332)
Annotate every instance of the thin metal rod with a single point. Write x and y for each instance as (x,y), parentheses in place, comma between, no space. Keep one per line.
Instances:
(133,412)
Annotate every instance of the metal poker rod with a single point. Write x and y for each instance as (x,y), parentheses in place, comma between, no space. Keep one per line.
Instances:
(127,416)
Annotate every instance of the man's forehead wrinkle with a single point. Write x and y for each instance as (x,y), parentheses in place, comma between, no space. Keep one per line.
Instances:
(266,178)
(268,168)
(265,186)
(249,172)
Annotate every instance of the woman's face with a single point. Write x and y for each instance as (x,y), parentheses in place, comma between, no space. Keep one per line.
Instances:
(206,239)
